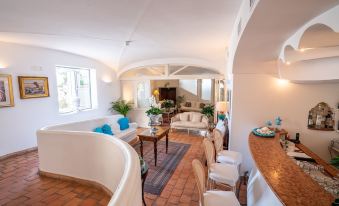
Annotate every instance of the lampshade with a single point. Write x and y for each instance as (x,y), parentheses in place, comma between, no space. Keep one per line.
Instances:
(221,106)
(156,92)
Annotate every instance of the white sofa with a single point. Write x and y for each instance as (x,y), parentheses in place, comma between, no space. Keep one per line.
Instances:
(87,126)
(74,151)
(190,121)
(195,106)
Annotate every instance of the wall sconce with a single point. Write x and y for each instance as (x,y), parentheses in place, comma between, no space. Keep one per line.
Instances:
(106,79)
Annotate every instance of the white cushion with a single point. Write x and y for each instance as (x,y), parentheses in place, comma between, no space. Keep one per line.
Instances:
(183,116)
(115,127)
(187,124)
(221,127)
(229,157)
(224,173)
(196,117)
(220,198)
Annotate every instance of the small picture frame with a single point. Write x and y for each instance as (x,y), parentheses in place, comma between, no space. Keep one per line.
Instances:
(33,87)
(6,91)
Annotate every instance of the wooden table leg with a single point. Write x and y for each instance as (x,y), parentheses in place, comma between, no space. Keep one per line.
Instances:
(141,148)
(166,143)
(155,152)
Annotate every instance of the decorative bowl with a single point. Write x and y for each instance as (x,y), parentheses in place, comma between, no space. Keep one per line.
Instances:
(256,133)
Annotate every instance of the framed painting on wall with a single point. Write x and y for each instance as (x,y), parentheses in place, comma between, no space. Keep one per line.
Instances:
(6,91)
(33,87)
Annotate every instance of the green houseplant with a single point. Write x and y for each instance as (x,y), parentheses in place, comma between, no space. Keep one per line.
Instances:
(168,104)
(153,111)
(121,106)
(335,162)
(180,99)
(208,111)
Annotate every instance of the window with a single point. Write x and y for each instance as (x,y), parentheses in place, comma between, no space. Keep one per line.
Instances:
(206,89)
(141,95)
(74,89)
(189,85)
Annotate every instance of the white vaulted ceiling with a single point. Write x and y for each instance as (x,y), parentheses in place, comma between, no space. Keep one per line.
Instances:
(159,29)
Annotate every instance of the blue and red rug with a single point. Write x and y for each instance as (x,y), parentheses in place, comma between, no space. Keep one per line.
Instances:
(159,175)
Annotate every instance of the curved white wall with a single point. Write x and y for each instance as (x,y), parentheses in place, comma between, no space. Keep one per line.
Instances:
(18,124)
(96,157)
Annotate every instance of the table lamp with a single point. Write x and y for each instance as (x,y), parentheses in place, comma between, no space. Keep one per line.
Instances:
(156,92)
(221,108)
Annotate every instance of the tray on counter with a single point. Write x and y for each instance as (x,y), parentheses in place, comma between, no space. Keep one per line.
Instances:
(262,135)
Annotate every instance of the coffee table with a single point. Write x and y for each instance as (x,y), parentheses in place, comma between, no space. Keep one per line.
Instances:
(147,135)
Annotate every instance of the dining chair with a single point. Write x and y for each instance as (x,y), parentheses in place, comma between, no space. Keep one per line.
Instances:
(226,174)
(211,197)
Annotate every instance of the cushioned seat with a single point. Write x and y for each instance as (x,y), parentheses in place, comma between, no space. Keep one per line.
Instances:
(220,198)
(186,124)
(224,173)
(229,157)
(189,121)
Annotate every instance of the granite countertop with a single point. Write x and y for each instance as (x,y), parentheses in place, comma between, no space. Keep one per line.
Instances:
(286,179)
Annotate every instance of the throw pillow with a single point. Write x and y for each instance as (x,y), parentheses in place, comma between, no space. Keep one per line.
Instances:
(202,105)
(196,117)
(98,130)
(106,129)
(123,122)
(183,117)
(188,104)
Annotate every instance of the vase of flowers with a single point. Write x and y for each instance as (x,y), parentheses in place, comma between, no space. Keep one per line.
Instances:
(277,122)
(154,115)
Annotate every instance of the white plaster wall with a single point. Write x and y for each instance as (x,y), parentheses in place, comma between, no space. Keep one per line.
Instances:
(258,97)
(18,124)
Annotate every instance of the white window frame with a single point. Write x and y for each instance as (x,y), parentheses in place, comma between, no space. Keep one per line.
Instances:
(92,88)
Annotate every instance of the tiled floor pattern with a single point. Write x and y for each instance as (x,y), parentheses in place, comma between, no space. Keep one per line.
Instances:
(21,185)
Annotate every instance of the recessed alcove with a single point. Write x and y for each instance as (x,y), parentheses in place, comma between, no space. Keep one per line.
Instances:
(321,117)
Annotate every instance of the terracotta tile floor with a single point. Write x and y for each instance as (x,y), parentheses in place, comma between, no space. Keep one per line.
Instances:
(21,185)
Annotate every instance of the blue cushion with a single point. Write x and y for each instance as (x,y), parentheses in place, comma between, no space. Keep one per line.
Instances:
(98,130)
(107,129)
(123,122)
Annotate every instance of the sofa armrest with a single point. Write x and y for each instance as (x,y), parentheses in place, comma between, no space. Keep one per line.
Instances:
(133,125)
(175,118)
(205,120)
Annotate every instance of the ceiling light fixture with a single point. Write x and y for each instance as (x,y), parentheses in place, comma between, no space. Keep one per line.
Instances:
(127,43)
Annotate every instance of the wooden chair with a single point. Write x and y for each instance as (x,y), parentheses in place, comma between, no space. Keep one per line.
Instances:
(211,198)
(226,174)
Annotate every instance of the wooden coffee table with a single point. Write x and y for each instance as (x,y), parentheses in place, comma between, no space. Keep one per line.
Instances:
(147,135)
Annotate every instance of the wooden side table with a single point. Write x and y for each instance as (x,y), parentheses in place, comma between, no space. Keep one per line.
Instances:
(147,135)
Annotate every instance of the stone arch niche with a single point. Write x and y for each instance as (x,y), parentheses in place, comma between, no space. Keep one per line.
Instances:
(321,117)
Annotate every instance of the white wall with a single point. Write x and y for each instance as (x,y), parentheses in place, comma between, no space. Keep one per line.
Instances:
(257,98)
(18,124)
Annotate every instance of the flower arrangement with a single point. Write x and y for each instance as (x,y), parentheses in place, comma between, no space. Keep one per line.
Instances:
(153,111)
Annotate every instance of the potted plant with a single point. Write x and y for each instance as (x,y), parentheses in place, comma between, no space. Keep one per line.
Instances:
(168,104)
(154,114)
(208,111)
(180,99)
(121,106)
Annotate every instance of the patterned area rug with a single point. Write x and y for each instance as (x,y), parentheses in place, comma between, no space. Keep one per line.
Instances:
(159,175)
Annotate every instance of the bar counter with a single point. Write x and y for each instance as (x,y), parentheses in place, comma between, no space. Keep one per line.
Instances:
(285,178)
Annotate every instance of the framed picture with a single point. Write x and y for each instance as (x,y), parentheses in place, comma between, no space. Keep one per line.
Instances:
(6,91)
(33,87)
